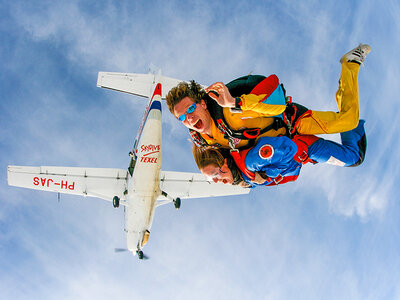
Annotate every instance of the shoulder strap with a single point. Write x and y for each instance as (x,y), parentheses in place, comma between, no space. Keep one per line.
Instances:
(303,142)
(239,158)
(199,141)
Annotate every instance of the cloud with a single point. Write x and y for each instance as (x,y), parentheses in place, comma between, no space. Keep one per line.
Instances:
(332,226)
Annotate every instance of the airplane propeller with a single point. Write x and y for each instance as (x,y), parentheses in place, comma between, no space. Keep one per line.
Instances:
(118,250)
(141,255)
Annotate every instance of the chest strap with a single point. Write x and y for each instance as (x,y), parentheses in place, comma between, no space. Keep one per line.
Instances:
(303,142)
(249,134)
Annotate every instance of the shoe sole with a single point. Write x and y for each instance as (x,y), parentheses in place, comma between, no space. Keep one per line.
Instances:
(364,48)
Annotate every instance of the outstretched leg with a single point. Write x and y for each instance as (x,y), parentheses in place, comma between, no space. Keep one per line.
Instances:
(320,122)
(350,153)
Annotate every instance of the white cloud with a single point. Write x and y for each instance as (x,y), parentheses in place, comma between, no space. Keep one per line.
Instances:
(335,227)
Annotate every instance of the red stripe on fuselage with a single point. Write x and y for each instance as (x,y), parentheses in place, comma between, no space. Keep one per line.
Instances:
(157,90)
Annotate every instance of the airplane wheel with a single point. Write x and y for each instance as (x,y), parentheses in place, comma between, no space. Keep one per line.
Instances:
(140,254)
(177,203)
(116,202)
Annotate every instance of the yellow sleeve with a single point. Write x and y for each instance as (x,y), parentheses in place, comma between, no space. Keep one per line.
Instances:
(252,102)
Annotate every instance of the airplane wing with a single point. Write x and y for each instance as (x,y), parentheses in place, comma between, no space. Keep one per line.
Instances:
(136,84)
(95,182)
(195,185)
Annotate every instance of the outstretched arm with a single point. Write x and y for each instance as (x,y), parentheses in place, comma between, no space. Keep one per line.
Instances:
(251,102)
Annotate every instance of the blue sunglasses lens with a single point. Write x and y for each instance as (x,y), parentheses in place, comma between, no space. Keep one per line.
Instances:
(190,109)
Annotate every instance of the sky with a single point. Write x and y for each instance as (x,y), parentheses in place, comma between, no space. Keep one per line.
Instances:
(333,234)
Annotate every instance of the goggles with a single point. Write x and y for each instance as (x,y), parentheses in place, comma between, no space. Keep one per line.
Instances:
(218,174)
(190,109)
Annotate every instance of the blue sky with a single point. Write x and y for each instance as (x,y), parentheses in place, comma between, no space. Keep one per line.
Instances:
(333,234)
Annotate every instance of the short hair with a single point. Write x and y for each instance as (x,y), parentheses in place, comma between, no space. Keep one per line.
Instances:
(204,156)
(193,90)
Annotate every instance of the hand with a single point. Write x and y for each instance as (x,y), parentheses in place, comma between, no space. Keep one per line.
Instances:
(258,178)
(220,93)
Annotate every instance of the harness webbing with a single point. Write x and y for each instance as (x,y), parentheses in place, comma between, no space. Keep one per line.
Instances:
(239,158)
(252,84)
(302,142)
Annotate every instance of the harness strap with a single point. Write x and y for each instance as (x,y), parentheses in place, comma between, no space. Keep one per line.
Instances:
(256,85)
(281,179)
(301,156)
(291,116)
(249,133)
(303,142)
(293,113)
(238,157)
(199,141)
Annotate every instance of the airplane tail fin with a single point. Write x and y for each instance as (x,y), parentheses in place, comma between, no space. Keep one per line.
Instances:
(95,182)
(136,84)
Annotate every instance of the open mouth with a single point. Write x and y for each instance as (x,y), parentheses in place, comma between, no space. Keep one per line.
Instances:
(198,125)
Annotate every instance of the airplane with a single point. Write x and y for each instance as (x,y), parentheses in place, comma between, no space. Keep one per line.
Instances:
(141,187)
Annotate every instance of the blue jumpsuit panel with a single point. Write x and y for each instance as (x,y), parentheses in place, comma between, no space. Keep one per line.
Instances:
(348,153)
(281,162)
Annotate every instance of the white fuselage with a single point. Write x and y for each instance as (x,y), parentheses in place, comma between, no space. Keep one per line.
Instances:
(143,185)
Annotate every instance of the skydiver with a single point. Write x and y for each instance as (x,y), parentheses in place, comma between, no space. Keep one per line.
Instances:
(207,113)
(277,160)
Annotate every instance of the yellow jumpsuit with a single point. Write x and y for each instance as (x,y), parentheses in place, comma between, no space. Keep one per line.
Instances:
(254,113)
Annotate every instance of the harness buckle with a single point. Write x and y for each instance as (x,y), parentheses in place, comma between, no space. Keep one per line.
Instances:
(232,145)
(221,126)
(278,179)
(288,124)
(303,157)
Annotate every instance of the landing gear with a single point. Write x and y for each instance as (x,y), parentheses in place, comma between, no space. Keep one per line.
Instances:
(116,201)
(140,254)
(177,201)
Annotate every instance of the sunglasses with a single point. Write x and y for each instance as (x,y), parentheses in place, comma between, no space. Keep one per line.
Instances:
(216,176)
(190,109)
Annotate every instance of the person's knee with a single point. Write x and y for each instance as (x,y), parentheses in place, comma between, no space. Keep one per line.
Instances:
(362,149)
(351,124)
